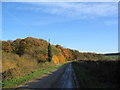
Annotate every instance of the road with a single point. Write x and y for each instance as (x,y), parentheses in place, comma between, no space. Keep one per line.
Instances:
(66,80)
(64,77)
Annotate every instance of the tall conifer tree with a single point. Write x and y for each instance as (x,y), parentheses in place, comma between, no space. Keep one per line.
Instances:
(49,52)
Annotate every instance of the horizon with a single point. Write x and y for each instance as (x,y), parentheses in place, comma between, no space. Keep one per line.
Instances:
(92,29)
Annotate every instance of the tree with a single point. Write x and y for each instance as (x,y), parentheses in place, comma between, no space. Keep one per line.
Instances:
(16,46)
(49,52)
(6,46)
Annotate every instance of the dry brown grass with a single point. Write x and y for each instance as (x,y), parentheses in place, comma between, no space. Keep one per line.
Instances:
(15,66)
(9,61)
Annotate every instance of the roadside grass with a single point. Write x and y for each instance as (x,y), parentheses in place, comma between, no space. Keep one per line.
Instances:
(91,74)
(112,57)
(17,81)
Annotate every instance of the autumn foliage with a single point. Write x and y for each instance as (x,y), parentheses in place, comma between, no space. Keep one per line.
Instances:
(38,49)
(25,55)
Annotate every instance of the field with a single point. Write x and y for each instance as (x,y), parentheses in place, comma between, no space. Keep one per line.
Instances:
(97,74)
(112,57)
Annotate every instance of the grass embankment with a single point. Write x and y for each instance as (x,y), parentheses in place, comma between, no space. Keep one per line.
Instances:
(112,57)
(17,81)
(97,74)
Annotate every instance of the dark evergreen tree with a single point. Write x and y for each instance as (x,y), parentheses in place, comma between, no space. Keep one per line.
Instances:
(49,52)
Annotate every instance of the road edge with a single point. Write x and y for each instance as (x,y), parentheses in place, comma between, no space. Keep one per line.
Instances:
(75,79)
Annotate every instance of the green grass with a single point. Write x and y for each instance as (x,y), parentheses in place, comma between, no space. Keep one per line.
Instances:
(111,57)
(83,77)
(90,76)
(17,81)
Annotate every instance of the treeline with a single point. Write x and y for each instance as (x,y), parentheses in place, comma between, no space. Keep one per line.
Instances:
(23,56)
(38,48)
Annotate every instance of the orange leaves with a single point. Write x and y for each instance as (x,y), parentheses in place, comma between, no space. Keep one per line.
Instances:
(58,59)
(66,52)
(61,58)
(55,59)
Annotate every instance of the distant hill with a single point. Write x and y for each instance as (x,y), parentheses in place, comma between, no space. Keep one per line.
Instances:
(111,54)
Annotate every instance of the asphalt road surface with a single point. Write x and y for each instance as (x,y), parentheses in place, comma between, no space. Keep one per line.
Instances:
(64,77)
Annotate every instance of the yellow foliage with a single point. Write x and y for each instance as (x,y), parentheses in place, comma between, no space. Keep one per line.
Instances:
(61,58)
(58,59)
(55,59)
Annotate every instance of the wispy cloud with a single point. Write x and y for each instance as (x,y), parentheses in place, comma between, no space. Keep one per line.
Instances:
(77,10)
(71,10)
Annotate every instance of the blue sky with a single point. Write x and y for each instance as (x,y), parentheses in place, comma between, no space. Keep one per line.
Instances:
(87,27)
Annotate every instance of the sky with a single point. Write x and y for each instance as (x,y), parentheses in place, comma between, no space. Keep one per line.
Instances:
(84,26)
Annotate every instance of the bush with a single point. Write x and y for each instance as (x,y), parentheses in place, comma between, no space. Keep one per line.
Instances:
(16,66)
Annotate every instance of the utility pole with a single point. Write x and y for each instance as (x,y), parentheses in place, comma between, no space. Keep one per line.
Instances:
(49,52)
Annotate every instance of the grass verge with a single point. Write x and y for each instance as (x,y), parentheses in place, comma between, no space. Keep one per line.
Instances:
(96,74)
(17,81)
